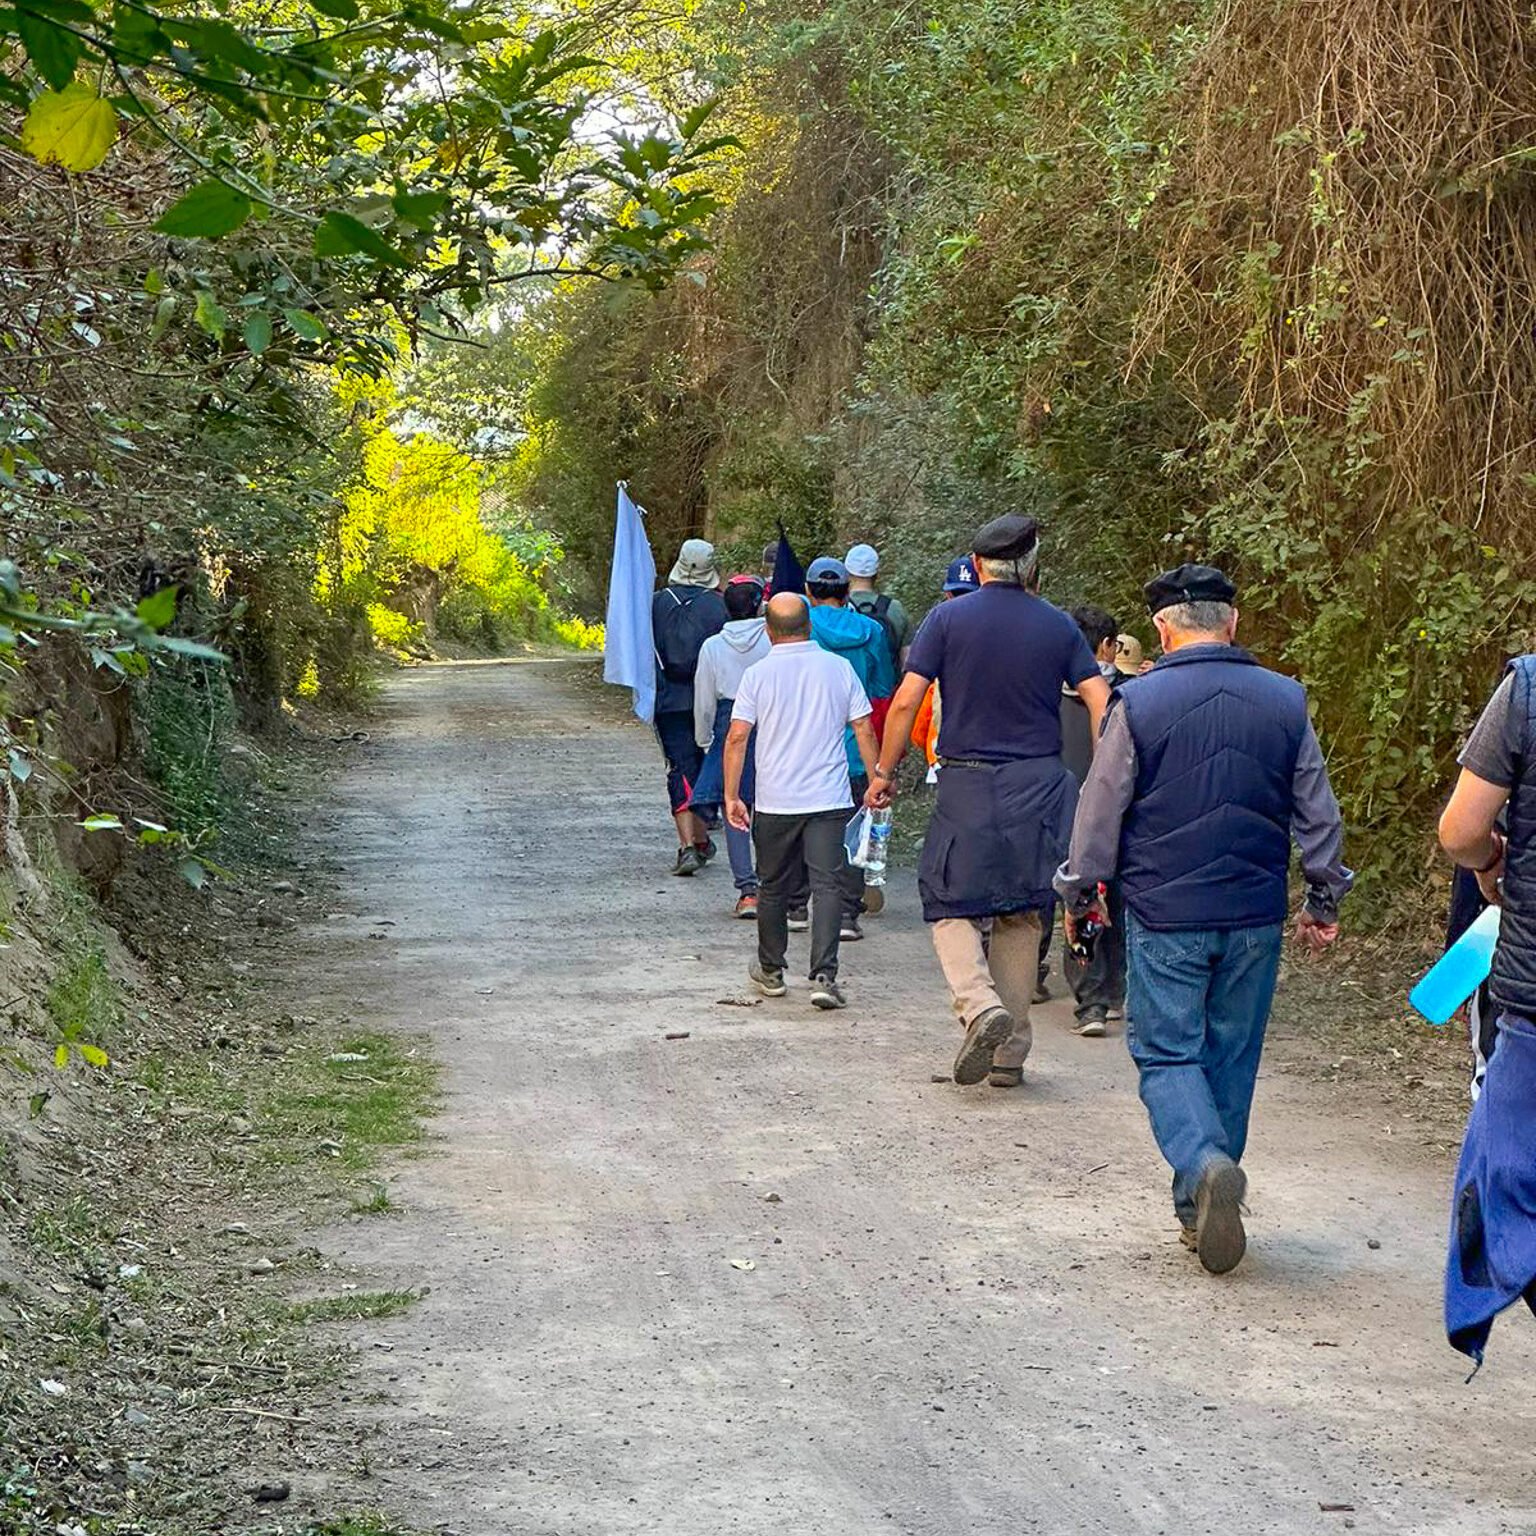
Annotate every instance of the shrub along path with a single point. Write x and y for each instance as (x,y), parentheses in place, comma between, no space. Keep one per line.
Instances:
(772,1276)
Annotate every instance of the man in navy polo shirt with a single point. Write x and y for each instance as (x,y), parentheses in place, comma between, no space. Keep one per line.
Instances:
(1001,657)
(1206,768)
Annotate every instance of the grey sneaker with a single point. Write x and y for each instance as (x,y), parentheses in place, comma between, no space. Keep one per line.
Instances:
(1219,1237)
(987,1031)
(1093,1025)
(689,862)
(799,919)
(769,983)
(825,992)
(850,933)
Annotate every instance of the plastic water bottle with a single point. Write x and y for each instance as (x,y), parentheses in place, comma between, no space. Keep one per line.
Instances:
(1460,971)
(879,841)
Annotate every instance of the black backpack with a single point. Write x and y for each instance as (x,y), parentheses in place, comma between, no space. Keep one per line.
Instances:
(880,612)
(681,630)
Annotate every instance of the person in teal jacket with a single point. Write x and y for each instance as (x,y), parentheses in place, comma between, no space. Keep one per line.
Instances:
(860,641)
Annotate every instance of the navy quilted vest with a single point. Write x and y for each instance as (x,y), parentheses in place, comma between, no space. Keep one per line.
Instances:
(1206,842)
(1513,984)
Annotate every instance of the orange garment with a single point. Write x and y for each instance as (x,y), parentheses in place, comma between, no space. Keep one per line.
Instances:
(925,728)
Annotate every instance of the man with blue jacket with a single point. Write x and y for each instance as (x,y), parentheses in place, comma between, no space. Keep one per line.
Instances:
(1207,767)
(861,641)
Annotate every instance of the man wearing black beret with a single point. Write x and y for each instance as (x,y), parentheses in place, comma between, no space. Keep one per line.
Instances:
(1207,767)
(1001,657)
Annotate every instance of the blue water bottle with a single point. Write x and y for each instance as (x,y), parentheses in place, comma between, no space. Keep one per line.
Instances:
(1460,971)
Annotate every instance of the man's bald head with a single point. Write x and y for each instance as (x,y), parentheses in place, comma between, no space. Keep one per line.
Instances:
(789,618)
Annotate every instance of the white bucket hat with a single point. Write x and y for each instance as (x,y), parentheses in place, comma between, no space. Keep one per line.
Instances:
(695,565)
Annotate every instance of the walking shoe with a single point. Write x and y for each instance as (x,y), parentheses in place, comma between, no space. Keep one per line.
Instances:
(688,862)
(706,850)
(799,919)
(1219,1237)
(746,907)
(850,932)
(1115,1012)
(1093,1025)
(987,1031)
(769,983)
(825,992)
(874,900)
(1042,992)
(1005,1077)
(1189,1237)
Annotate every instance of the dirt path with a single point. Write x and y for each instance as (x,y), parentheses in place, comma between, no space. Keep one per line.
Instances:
(968,1311)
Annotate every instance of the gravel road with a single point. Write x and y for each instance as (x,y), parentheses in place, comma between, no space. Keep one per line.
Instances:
(773,1277)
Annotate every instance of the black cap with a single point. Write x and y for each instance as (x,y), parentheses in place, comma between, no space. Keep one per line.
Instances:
(1189,584)
(1006,538)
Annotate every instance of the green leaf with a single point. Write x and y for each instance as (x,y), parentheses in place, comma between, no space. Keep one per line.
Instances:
(94,1055)
(212,208)
(210,315)
(102,822)
(61,1056)
(304,325)
(258,331)
(340,234)
(163,312)
(193,872)
(73,128)
(158,609)
(420,208)
(340,10)
(153,282)
(21,769)
(187,648)
(37,1103)
(53,51)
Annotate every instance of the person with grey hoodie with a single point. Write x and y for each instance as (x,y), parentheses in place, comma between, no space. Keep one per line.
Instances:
(722,661)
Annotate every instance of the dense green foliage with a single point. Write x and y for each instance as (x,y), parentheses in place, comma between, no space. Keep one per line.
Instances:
(1184,279)
(228,228)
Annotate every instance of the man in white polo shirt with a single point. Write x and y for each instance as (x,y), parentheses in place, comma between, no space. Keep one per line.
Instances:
(800,698)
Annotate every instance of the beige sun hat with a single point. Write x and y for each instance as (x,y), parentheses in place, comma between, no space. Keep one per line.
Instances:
(1129,657)
(695,565)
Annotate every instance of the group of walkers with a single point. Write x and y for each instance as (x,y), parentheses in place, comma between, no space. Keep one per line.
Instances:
(1155,804)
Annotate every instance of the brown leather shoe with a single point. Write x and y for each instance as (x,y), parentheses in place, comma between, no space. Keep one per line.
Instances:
(987,1031)
(1219,1237)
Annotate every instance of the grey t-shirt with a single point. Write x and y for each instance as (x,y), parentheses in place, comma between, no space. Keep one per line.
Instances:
(1492,751)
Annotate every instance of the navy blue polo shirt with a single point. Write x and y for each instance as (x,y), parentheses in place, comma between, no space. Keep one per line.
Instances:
(1000,657)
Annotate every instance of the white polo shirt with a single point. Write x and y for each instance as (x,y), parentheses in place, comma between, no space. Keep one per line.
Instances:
(801,698)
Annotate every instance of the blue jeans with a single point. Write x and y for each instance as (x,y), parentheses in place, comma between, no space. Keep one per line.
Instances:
(1197,1004)
(738,847)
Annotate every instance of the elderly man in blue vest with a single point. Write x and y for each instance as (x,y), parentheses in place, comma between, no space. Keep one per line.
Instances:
(1207,767)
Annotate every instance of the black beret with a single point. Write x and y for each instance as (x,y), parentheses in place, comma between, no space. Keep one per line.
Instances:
(1189,584)
(1006,538)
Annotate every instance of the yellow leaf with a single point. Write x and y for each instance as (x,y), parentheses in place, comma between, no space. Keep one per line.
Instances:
(93,1054)
(74,128)
(61,1056)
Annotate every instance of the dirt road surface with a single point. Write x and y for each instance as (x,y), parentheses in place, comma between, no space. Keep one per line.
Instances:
(772,1278)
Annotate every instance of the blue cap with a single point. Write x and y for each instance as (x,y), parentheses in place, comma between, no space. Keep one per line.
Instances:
(961,576)
(825,569)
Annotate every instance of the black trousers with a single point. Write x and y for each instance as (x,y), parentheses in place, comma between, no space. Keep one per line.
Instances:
(853,874)
(1100,984)
(787,847)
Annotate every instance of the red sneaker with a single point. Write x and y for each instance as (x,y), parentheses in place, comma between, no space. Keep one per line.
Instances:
(746,907)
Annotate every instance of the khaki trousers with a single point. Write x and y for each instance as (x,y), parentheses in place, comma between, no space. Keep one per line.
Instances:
(992,962)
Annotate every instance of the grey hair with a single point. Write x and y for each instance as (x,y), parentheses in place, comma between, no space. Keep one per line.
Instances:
(1203,618)
(1011,573)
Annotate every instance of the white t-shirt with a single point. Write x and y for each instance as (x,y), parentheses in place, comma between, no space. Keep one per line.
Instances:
(801,698)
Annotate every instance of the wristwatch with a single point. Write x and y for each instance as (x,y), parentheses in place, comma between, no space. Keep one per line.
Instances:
(1499,845)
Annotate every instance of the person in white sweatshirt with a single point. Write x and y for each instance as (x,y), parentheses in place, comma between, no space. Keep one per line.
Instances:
(722,661)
